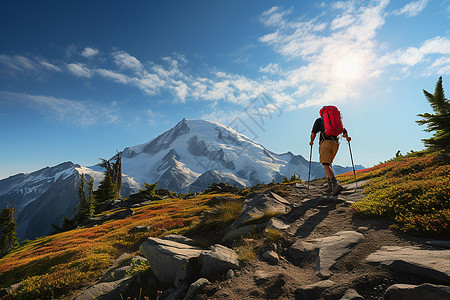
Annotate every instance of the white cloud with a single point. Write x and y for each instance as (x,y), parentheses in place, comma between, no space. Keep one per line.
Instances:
(125,61)
(342,21)
(412,9)
(331,62)
(79,113)
(79,70)
(275,16)
(117,77)
(89,52)
(50,66)
(413,56)
(29,66)
(270,69)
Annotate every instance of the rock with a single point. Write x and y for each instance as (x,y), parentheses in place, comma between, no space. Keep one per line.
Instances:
(230,274)
(105,290)
(193,289)
(362,229)
(313,291)
(180,239)
(276,223)
(302,251)
(115,274)
(123,256)
(326,250)
(217,261)
(433,265)
(138,259)
(333,248)
(352,294)
(417,292)
(437,243)
(138,229)
(233,234)
(175,293)
(171,262)
(261,205)
(271,257)
(260,277)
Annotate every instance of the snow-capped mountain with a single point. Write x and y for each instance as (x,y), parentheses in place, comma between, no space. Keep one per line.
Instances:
(44,197)
(196,153)
(187,158)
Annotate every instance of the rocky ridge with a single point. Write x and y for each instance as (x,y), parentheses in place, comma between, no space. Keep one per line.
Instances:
(321,253)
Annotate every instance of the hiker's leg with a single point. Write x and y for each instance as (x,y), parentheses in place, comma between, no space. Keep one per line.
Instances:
(328,170)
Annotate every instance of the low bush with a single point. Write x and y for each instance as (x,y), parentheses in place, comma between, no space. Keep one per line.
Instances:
(412,191)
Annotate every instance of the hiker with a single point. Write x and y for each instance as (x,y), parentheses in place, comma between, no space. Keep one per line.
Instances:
(329,144)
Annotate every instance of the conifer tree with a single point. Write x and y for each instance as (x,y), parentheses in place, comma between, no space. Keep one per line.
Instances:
(106,190)
(87,206)
(439,122)
(150,189)
(8,226)
(114,170)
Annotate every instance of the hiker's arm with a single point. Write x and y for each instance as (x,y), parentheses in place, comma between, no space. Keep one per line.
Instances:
(345,135)
(313,136)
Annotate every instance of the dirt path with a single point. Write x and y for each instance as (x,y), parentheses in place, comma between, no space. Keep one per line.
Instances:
(315,215)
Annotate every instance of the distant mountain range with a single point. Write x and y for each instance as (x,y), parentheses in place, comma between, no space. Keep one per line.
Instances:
(187,158)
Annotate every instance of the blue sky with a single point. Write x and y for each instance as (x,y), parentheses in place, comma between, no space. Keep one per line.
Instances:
(82,79)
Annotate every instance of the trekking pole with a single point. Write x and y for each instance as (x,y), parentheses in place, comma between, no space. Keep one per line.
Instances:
(353,165)
(309,172)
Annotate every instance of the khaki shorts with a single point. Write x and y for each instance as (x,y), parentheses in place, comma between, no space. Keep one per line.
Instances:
(327,151)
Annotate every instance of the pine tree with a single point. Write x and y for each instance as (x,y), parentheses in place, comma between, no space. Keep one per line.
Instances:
(114,170)
(106,190)
(150,189)
(87,204)
(91,198)
(439,122)
(8,226)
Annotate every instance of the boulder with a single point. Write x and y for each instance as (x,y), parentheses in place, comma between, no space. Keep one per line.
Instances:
(218,261)
(352,294)
(193,289)
(432,264)
(271,257)
(313,291)
(230,274)
(325,250)
(439,243)
(238,232)
(276,223)
(260,277)
(139,228)
(261,205)
(417,292)
(105,290)
(170,261)
(180,239)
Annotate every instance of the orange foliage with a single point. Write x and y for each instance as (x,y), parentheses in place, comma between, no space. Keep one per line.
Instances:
(71,259)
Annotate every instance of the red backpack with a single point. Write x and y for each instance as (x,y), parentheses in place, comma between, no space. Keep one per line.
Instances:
(332,120)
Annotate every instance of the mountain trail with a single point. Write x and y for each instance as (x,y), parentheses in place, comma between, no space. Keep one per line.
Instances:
(323,254)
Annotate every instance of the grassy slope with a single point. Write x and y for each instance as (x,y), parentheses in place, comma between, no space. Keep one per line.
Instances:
(53,266)
(413,191)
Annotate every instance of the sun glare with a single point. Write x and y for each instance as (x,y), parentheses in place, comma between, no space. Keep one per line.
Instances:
(348,68)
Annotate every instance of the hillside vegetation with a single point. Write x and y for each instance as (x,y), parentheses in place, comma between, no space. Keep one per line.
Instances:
(413,191)
(53,266)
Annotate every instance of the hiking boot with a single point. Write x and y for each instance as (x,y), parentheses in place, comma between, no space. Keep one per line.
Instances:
(329,188)
(337,187)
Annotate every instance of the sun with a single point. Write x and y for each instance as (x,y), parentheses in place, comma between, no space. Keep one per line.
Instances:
(348,68)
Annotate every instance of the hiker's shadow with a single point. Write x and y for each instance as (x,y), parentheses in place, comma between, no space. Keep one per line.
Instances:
(323,204)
